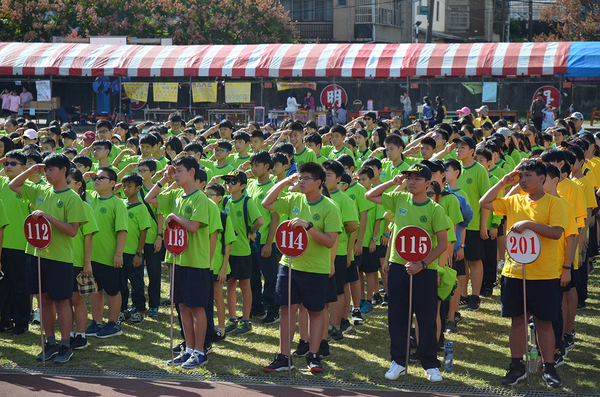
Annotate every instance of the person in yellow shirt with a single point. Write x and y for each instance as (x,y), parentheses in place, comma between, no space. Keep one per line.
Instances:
(545,215)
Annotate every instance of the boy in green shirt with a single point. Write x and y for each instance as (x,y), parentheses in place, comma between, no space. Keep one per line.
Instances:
(264,258)
(139,224)
(242,141)
(246,220)
(63,208)
(191,286)
(107,253)
(220,166)
(413,208)
(338,134)
(302,154)
(313,142)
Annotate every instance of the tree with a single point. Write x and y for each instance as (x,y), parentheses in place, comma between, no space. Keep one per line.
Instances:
(186,21)
(571,20)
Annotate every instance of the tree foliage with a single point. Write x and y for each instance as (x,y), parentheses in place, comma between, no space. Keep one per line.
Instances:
(571,20)
(186,21)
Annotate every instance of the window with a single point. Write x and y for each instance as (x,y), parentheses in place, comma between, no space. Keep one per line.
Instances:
(309,10)
(457,18)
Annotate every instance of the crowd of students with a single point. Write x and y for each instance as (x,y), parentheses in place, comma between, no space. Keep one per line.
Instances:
(109,195)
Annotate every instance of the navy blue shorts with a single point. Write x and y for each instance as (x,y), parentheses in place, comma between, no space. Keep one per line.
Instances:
(54,276)
(107,277)
(340,273)
(331,290)
(381,251)
(310,289)
(192,286)
(352,271)
(474,248)
(241,267)
(575,279)
(459,266)
(370,261)
(543,298)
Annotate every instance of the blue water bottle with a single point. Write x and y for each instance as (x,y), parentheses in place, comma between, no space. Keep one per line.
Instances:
(448,357)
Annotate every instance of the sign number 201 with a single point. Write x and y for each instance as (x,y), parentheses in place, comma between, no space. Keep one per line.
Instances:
(523,247)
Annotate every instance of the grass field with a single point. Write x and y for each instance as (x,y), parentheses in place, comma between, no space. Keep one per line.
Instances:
(481,353)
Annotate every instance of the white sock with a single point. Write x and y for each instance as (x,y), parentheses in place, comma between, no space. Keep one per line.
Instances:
(82,334)
(71,334)
(198,353)
(222,330)
(189,350)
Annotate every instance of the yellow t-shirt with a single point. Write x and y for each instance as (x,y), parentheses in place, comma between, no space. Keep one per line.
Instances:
(588,191)
(570,230)
(570,191)
(548,210)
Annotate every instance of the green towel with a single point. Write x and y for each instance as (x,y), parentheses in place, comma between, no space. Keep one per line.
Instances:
(448,282)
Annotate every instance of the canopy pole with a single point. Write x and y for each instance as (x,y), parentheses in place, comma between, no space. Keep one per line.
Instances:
(262,88)
(190,92)
(561,95)
(120,98)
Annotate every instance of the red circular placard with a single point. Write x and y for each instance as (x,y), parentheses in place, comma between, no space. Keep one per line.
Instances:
(38,232)
(291,242)
(176,238)
(412,244)
(551,95)
(331,98)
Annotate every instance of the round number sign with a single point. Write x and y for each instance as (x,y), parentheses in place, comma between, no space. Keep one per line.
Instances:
(412,244)
(176,238)
(523,248)
(291,242)
(551,95)
(333,97)
(38,232)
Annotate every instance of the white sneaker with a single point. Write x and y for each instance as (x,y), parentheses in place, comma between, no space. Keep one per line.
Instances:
(500,264)
(434,374)
(395,371)
(36,318)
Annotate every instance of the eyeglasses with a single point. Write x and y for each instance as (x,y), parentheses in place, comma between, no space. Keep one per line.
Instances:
(304,179)
(70,181)
(211,195)
(221,150)
(102,131)
(99,178)
(368,118)
(12,163)
(98,149)
(430,194)
(415,179)
(232,182)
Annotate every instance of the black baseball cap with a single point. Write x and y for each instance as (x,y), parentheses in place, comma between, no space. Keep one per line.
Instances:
(466,140)
(435,165)
(419,169)
(236,174)
(69,134)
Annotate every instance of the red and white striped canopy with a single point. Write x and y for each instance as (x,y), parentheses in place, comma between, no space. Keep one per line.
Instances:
(286,60)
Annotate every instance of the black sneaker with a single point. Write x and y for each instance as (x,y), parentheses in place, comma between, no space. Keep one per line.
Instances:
(569,342)
(313,361)
(474,302)
(516,372)
(551,377)
(558,360)
(357,318)
(324,348)
(6,326)
(50,350)
(218,336)
(179,348)
(64,354)
(384,301)
(78,342)
(487,292)
(345,325)
(302,349)
(334,334)
(464,302)
(414,358)
(270,318)
(124,316)
(257,314)
(451,327)
(280,363)
(581,306)
(377,299)
(19,330)
(457,318)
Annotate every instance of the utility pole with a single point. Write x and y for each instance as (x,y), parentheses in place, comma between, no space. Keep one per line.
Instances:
(530,20)
(430,21)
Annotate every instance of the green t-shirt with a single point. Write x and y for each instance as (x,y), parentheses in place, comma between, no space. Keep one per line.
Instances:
(361,157)
(235,210)
(373,215)
(325,216)
(214,225)
(111,217)
(161,163)
(237,160)
(474,181)
(66,206)
(388,171)
(357,192)
(114,152)
(222,170)
(139,220)
(334,154)
(428,215)
(497,171)
(349,214)
(494,220)
(321,159)
(306,156)
(3,218)
(90,227)
(14,234)
(193,207)
(258,192)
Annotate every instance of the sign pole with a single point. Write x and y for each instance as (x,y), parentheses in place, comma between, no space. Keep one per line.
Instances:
(410,298)
(39,255)
(172,288)
(290,320)
(525,321)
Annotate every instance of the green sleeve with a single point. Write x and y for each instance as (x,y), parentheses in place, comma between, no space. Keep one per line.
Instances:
(3,218)
(120,215)
(253,212)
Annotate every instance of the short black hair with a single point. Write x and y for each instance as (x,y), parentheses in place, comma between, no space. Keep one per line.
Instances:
(285,147)
(201,175)
(372,161)
(454,164)
(217,187)
(366,170)
(485,153)
(112,175)
(340,129)
(533,166)
(175,117)
(150,163)
(257,134)
(577,151)
(49,141)
(552,171)
(148,139)
(193,147)
(224,144)
(104,123)
(296,126)
(134,178)
(17,155)
(280,158)
(346,160)
(83,160)
(243,135)
(334,166)
(315,138)
(105,143)
(428,141)
(189,162)
(395,140)
(552,155)
(263,157)
(70,150)
(315,169)
(35,157)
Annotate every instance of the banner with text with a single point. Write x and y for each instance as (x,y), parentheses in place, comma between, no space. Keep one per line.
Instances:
(204,92)
(137,91)
(165,92)
(293,86)
(237,92)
